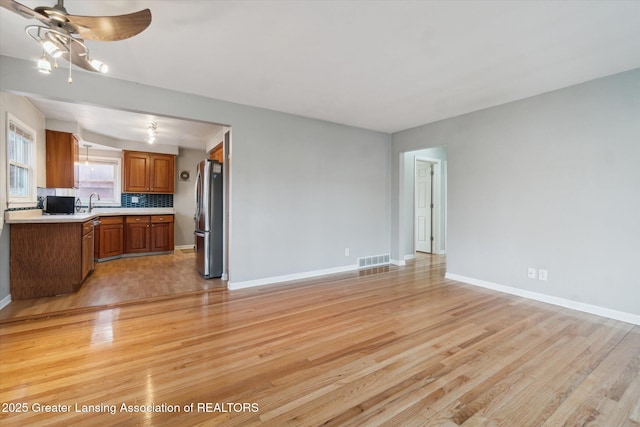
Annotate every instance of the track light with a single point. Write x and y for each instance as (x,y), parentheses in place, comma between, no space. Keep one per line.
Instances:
(152,131)
(44,66)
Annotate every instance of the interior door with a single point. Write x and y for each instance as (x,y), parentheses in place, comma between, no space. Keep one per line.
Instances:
(424,207)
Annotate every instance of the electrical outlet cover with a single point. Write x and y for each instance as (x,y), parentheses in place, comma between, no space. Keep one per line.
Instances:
(542,275)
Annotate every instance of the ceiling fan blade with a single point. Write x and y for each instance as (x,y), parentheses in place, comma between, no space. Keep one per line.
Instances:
(111,28)
(23,10)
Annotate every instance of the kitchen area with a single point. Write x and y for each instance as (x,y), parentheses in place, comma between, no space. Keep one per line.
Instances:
(113,222)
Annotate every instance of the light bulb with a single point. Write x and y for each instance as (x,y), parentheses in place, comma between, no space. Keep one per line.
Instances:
(44,66)
(151,139)
(99,66)
(53,50)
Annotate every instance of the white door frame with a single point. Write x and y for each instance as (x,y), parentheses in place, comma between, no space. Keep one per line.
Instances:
(437,203)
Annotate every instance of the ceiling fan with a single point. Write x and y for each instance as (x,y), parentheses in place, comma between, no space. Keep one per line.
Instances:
(62,35)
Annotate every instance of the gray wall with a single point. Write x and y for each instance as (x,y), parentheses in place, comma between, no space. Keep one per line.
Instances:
(549,182)
(183,199)
(302,189)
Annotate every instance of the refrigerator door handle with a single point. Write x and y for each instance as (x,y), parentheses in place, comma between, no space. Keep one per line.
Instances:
(199,233)
(197,194)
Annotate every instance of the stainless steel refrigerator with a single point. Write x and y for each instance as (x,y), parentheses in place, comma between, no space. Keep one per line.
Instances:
(208,219)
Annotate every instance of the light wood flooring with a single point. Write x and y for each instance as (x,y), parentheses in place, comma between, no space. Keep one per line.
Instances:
(396,346)
(121,282)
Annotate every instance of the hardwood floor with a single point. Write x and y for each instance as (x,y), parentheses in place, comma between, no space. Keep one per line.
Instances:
(397,346)
(121,282)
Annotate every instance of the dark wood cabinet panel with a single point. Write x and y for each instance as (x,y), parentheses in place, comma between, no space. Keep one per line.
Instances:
(137,234)
(87,254)
(62,160)
(162,233)
(49,259)
(110,242)
(216,154)
(162,173)
(148,172)
(136,172)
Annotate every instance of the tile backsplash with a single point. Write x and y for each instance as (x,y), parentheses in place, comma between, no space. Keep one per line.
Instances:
(147,200)
(127,200)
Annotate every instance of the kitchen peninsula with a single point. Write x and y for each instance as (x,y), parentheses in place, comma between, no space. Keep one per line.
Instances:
(54,254)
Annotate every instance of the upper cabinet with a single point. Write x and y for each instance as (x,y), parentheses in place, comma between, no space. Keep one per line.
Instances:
(148,172)
(216,154)
(62,159)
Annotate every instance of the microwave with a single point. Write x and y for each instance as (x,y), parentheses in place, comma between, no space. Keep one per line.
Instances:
(60,205)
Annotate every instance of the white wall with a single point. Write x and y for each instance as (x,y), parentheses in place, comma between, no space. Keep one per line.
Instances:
(549,182)
(408,189)
(302,189)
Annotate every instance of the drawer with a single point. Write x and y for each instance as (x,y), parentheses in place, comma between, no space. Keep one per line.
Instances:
(87,227)
(161,218)
(131,219)
(110,220)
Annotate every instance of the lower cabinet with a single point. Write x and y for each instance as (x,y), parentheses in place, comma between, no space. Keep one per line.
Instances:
(137,234)
(87,248)
(148,234)
(49,259)
(110,237)
(161,233)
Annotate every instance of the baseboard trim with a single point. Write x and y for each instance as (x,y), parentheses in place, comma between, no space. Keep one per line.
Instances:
(289,277)
(181,247)
(409,257)
(397,262)
(550,299)
(5,301)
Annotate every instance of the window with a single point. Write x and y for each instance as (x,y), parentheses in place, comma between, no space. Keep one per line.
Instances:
(21,141)
(100,175)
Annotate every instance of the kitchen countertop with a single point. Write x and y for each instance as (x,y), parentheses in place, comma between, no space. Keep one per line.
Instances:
(36,216)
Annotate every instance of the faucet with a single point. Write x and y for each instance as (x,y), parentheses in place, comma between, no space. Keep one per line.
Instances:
(91,197)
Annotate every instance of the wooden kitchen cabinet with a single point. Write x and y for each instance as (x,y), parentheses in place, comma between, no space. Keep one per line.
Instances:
(49,259)
(148,172)
(217,154)
(63,155)
(137,234)
(161,233)
(87,248)
(110,237)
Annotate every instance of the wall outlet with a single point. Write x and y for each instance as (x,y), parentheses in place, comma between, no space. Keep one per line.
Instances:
(134,199)
(531,273)
(542,275)
(346,251)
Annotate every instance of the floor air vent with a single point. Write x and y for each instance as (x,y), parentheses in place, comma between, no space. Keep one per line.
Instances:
(373,261)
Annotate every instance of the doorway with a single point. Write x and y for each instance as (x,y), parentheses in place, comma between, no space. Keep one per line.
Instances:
(427,205)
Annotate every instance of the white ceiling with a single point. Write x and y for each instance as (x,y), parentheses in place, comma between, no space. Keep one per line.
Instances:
(382,65)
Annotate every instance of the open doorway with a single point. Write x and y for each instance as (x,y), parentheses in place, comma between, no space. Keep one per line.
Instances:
(427,203)
(424,210)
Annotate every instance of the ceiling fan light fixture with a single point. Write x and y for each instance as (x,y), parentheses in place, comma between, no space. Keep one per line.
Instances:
(53,50)
(99,66)
(62,34)
(44,66)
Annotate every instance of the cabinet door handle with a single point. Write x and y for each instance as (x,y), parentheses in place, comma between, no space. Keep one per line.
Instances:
(137,219)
